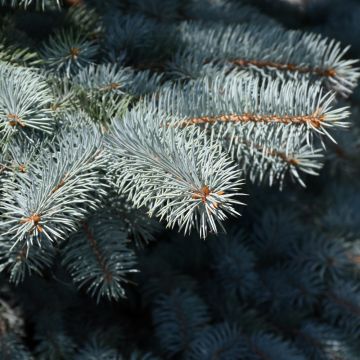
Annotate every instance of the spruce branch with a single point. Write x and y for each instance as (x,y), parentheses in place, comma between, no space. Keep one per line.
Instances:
(344,157)
(20,154)
(234,266)
(105,91)
(271,160)
(329,260)
(54,345)
(104,78)
(275,232)
(57,190)
(274,165)
(322,341)
(221,340)
(342,308)
(340,214)
(145,82)
(101,108)
(113,79)
(230,342)
(11,317)
(14,55)
(238,105)
(20,260)
(271,50)
(138,356)
(181,177)
(177,318)
(140,227)
(135,222)
(11,347)
(99,259)
(300,289)
(66,52)
(267,126)
(137,38)
(84,19)
(95,349)
(187,65)
(127,34)
(53,340)
(38,4)
(65,101)
(24,102)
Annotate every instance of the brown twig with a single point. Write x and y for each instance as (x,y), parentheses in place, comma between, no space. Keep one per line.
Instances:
(285,67)
(314,119)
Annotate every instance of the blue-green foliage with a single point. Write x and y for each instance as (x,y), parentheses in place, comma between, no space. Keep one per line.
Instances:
(123,120)
(235,269)
(38,4)
(220,340)
(67,52)
(21,260)
(46,201)
(105,259)
(178,317)
(273,51)
(171,172)
(11,347)
(95,350)
(24,102)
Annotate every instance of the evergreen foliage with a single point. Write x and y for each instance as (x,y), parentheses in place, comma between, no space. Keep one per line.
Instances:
(125,125)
